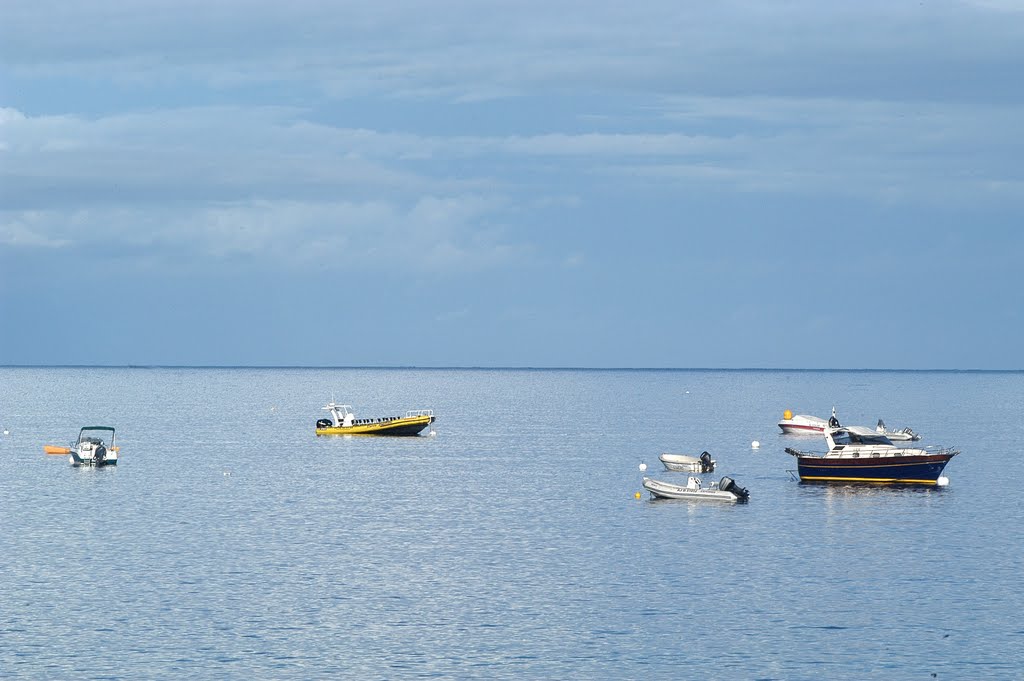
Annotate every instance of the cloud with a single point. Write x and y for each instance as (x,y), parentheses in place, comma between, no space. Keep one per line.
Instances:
(216,153)
(433,235)
(383,117)
(574,260)
(230,183)
(28,228)
(460,50)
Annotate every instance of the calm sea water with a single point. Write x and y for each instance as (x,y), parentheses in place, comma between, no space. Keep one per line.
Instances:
(230,542)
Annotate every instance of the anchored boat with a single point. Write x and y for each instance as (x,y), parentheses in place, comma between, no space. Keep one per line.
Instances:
(858,454)
(802,424)
(724,490)
(905,435)
(343,421)
(688,464)
(95,447)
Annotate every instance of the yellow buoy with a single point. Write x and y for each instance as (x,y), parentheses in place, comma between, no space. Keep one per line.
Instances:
(787,414)
(637,495)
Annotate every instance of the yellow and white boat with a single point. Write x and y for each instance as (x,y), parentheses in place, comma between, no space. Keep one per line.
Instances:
(343,421)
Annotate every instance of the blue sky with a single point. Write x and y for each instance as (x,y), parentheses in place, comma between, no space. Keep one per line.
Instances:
(660,184)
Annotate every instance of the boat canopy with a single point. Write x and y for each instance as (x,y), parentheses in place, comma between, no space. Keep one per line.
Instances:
(98,428)
(857,435)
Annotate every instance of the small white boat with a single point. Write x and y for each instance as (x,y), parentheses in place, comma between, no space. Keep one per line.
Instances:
(802,424)
(905,435)
(95,447)
(724,490)
(684,463)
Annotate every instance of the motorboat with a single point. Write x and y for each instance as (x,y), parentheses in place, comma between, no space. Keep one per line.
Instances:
(95,447)
(685,463)
(905,435)
(802,424)
(725,489)
(859,454)
(343,421)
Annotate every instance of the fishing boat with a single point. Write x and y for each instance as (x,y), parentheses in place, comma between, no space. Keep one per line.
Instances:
(688,464)
(95,447)
(905,435)
(858,454)
(343,421)
(725,489)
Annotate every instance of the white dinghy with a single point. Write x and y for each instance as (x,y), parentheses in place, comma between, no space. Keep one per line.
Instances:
(724,490)
(684,463)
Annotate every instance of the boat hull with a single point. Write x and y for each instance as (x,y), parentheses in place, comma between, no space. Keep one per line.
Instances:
(79,461)
(683,467)
(791,429)
(801,427)
(919,470)
(405,426)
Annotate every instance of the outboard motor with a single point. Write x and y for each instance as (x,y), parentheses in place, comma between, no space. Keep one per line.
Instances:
(727,484)
(706,464)
(99,455)
(323,423)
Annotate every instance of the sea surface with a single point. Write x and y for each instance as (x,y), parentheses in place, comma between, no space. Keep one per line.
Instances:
(231,542)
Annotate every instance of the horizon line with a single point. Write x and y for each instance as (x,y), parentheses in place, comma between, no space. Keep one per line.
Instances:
(499,368)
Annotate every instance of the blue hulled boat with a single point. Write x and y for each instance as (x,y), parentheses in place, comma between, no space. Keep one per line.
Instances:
(857,454)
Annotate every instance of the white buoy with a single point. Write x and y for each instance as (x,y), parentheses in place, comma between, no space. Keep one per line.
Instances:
(942,481)
(755,444)
(6,432)
(643,467)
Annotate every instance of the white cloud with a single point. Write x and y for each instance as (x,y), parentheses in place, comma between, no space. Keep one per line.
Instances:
(738,97)
(435,235)
(201,160)
(574,260)
(28,228)
(8,116)
(462,50)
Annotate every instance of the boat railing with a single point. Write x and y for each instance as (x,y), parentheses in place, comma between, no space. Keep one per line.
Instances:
(419,412)
(875,454)
(935,449)
(797,452)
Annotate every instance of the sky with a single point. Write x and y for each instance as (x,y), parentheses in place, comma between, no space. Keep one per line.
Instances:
(797,184)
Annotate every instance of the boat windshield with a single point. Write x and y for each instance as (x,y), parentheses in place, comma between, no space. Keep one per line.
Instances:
(99,435)
(847,437)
